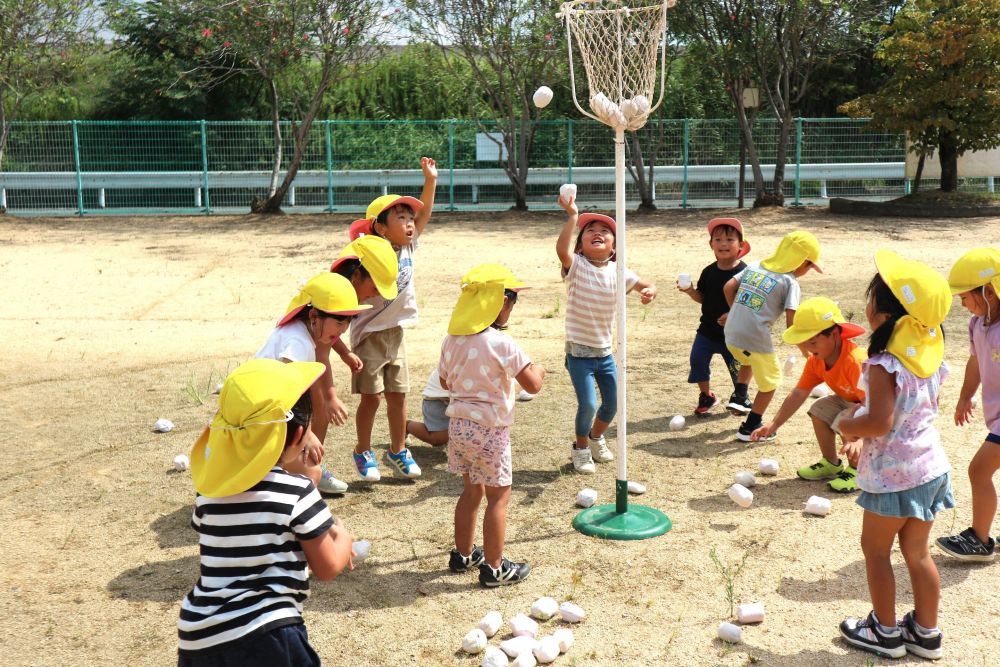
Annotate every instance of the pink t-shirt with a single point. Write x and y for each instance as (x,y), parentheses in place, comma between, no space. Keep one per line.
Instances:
(984,344)
(480,371)
(910,454)
(590,301)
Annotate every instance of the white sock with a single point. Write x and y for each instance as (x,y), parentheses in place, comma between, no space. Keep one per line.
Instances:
(925,632)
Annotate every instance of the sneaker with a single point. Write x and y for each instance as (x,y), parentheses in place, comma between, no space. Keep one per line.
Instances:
(367,466)
(705,403)
(508,573)
(459,563)
(330,484)
(583,461)
(967,546)
(403,464)
(822,469)
(524,396)
(865,634)
(916,643)
(739,404)
(744,432)
(599,449)
(846,481)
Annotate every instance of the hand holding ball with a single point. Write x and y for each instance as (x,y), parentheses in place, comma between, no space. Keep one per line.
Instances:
(542,97)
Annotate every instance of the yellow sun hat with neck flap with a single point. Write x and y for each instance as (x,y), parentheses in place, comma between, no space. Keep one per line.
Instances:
(917,340)
(378,258)
(247,435)
(975,269)
(482,298)
(815,316)
(796,247)
(328,292)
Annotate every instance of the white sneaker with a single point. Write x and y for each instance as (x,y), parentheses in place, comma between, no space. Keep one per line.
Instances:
(599,448)
(524,396)
(583,462)
(330,484)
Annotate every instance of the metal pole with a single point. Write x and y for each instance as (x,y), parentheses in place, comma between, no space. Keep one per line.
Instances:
(684,189)
(76,164)
(329,166)
(621,483)
(451,165)
(204,167)
(798,161)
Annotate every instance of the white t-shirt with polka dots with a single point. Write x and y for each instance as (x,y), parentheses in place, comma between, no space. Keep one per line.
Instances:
(480,371)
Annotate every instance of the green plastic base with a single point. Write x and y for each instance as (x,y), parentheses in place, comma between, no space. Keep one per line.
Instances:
(637,523)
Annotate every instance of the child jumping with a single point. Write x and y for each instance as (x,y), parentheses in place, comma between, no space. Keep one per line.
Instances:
(588,267)
(314,321)
(261,530)
(377,336)
(478,366)
(976,279)
(824,335)
(757,296)
(726,241)
(903,471)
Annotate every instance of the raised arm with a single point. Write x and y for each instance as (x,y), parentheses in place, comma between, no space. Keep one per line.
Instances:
(564,245)
(429,167)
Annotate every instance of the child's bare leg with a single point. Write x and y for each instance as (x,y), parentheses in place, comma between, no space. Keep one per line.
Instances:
(300,467)
(827,439)
(466,513)
(395,409)
(705,387)
(877,535)
(914,539)
(365,421)
(419,431)
(495,523)
(984,465)
(745,374)
(761,401)
(598,429)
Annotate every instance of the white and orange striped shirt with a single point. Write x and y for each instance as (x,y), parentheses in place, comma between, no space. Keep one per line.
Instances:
(590,301)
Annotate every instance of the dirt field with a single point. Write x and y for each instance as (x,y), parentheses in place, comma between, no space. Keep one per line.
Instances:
(111,323)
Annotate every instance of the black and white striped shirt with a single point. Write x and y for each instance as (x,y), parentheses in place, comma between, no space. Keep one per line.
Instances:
(254,575)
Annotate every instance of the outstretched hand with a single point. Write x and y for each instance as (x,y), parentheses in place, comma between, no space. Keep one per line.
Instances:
(647,294)
(569,205)
(429,167)
(762,432)
(963,412)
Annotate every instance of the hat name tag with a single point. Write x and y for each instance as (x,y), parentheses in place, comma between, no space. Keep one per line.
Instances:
(828,316)
(908,294)
(987,272)
(911,351)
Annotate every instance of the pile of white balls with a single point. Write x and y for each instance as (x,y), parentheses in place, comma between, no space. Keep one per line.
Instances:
(524,647)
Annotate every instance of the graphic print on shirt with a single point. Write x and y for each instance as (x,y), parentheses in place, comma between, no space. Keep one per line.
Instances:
(753,288)
(405,273)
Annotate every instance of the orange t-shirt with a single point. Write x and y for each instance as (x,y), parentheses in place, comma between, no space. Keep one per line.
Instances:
(843,378)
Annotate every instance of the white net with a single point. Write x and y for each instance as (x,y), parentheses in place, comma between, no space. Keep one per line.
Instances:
(619,42)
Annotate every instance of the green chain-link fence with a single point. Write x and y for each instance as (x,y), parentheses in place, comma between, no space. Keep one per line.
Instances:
(94,167)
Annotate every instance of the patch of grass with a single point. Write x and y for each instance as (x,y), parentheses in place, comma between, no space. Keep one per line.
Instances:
(729,574)
(549,314)
(199,392)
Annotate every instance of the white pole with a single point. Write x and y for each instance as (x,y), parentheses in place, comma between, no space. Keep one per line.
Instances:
(620,308)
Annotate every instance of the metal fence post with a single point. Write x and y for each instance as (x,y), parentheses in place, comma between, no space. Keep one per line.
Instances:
(329,166)
(684,187)
(76,165)
(451,165)
(204,166)
(798,161)
(569,150)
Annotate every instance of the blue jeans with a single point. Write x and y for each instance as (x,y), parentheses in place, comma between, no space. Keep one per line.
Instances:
(286,646)
(702,351)
(584,372)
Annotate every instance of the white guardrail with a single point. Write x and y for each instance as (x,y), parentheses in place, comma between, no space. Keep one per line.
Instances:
(387,179)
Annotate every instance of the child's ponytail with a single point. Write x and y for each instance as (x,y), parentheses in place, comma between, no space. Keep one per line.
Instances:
(884,301)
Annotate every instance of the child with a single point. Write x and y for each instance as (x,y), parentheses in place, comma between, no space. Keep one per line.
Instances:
(377,337)
(478,366)
(822,333)
(757,296)
(261,530)
(313,322)
(726,241)
(903,471)
(434,428)
(588,266)
(976,279)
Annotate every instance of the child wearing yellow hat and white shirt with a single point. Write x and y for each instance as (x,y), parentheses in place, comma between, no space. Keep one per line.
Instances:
(975,278)
(824,335)
(246,608)
(377,336)
(903,471)
(478,366)
(757,296)
(314,320)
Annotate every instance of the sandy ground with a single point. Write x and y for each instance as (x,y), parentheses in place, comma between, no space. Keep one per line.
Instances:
(110,323)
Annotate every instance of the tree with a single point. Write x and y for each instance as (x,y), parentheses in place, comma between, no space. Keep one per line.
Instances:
(511,49)
(37,53)
(944,86)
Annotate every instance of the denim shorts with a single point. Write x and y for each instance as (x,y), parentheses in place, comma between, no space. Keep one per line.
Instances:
(993,437)
(921,502)
(435,418)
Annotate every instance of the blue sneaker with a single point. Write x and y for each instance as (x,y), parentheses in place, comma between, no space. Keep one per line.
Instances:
(367,466)
(403,464)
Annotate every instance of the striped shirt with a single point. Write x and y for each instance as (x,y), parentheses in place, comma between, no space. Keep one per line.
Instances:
(254,575)
(590,301)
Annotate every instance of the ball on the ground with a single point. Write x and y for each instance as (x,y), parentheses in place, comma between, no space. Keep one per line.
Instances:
(769,466)
(544,608)
(542,97)
(361,549)
(586,497)
(571,613)
(490,623)
(474,641)
(181,462)
(731,633)
(494,657)
(741,495)
(746,478)
(163,425)
(677,422)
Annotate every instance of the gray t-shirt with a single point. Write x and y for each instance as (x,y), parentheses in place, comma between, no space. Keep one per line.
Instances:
(401,311)
(761,299)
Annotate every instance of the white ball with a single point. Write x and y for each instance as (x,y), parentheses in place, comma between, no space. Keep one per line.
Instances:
(521,626)
(769,466)
(565,638)
(474,641)
(490,623)
(181,462)
(517,645)
(567,191)
(730,633)
(163,425)
(676,423)
(571,613)
(741,495)
(524,660)
(745,478)
(542,97)
(361,550)
(636,488)
(547,650)
(544,608)
(494,657)
(586,497)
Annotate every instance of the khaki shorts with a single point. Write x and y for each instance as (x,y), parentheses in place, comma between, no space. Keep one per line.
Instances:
(384,357)
(766,370)
(828,408)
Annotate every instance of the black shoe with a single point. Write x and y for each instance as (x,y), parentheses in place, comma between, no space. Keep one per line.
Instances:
(865,634)
(459,563)
(745,431)
(917,644)
(508,573)
(739,404)
(967,546)
(705,403)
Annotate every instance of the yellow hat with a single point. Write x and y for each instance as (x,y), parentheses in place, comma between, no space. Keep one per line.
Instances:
(916,339)
(795,248)
(978,267)
(329,292)
(816,315)
(247,434)
(378,258)
(482,298)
